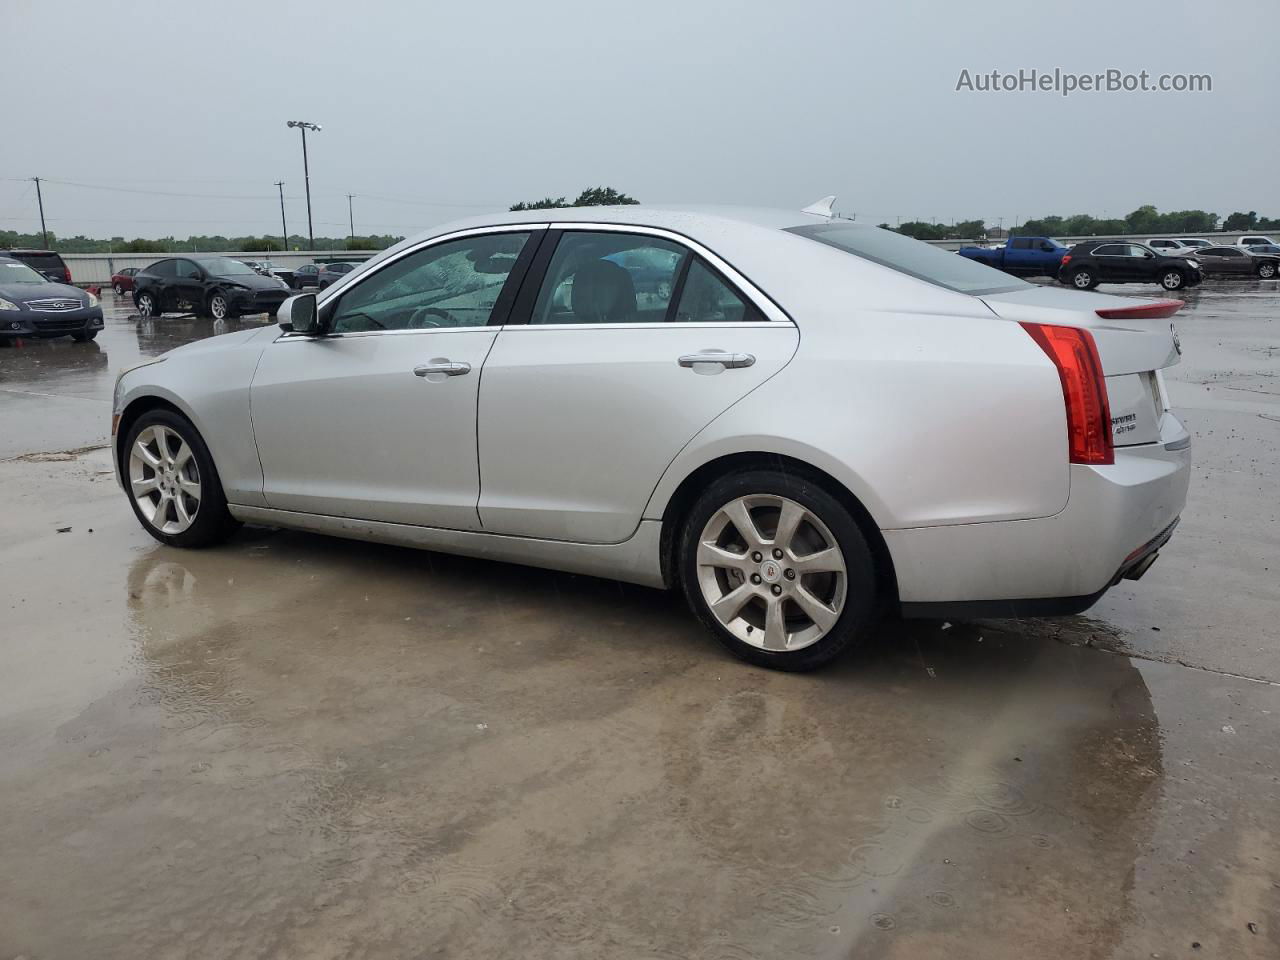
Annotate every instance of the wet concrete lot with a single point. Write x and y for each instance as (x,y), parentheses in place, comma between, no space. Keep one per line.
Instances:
(299,747)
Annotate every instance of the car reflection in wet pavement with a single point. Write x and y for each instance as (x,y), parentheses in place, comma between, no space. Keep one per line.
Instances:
(296,746)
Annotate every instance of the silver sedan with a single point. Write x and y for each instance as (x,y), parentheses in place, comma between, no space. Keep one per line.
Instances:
(800,421)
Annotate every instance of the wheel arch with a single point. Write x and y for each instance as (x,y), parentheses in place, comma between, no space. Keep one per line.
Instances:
(687,491)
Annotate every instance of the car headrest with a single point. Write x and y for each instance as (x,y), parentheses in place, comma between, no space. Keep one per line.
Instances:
(603,292)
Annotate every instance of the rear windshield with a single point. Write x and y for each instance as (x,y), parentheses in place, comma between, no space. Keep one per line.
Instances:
(41,261)
(915,258)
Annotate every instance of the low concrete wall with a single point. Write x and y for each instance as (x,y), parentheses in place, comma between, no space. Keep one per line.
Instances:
(97,268)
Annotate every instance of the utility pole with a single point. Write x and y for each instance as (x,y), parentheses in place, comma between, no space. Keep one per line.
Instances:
(284,228)
(304,126)
(40,200)
(351,220)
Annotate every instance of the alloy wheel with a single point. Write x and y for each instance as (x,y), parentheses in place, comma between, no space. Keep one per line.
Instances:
(218,307)
(1172,280)
(1082,279)
(771,572)
(164,479)
(146,306)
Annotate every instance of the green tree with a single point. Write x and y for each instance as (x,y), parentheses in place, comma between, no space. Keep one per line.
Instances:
(591,197)
(546,203)
(1241,221)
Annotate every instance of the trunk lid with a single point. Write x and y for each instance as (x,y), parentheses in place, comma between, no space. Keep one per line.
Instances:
(1135,339)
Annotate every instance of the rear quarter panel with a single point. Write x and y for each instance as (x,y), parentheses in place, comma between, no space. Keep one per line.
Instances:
(943,415)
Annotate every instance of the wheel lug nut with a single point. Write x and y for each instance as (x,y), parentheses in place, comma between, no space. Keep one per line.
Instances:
(755,578)
(757,556)
(776,589)
(789,574)
(777,554)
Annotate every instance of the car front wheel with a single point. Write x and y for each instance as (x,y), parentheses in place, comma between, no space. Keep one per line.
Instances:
(1172,279)
(147,305)
(218,307)
(172,483)
(777,569)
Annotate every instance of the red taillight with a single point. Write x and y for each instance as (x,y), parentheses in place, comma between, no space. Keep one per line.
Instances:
(1084,389)
(1066,258)
(1151,310)
(66,272)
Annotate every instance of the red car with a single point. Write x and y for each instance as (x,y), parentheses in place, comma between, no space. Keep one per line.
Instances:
(123,280)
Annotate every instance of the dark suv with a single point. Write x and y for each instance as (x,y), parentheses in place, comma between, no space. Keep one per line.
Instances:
(51,266)
(1113,261)
(216,287)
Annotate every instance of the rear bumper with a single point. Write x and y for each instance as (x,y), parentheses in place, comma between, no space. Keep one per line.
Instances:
(1116,519)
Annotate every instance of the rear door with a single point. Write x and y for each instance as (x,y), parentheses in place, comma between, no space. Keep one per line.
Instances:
(631,342)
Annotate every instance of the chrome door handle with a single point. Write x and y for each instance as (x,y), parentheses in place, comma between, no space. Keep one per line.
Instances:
(717,356)
(440,367)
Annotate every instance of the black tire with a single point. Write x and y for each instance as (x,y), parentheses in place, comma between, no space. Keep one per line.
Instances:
(213,523)
(860,602)
(118,289)
(153,310)
(1084,278)
(1173,279)
(84,337)
(1267,270)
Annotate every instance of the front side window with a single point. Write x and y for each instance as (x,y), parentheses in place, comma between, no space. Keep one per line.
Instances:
(226,267)
(452,284)
(609,278)
(186,270)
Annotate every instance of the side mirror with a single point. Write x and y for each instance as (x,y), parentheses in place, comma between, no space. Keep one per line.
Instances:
(298,315)
(1047,247)
(1148,254)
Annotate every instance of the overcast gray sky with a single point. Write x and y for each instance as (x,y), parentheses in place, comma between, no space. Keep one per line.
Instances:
(437,110)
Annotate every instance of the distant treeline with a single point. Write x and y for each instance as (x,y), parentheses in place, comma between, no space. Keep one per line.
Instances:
(1145,220)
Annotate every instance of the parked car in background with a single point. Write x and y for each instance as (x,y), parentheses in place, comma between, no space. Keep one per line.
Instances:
(1253,241)
(498,387)
(32,305)
(331,273)
(1193,242)
(255,266)
(1021,256)
(1264,248)
(1171,248)
(269,269)
(45,262)
(307,275)
(1111,261)
(122,280)
(216,287)
(1222,261)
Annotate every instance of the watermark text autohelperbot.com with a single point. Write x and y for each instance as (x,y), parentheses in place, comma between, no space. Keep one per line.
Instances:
(1065,83)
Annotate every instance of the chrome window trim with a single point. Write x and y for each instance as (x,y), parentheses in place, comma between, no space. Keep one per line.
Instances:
(728,325)
(772,312)
(287,336)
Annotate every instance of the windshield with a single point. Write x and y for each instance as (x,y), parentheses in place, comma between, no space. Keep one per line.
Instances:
(225,267)
(915,258)
(11,271)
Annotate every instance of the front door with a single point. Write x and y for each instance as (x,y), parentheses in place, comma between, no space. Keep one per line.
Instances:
(377,418)
(631,344)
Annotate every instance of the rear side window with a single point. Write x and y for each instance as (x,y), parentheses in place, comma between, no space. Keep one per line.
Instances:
(165,268)
(707,298)
(915,258)
(1110,250)
(1020,243)
(44,262)
(609,278)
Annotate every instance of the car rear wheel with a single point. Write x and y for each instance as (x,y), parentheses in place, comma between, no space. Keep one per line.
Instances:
(1266,270)
(172,483)
(118,288)
(1084,279)
(147,306)
(1172,279)
(777,569)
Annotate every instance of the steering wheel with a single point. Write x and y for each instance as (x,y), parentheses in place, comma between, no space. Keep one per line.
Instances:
(418,318)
